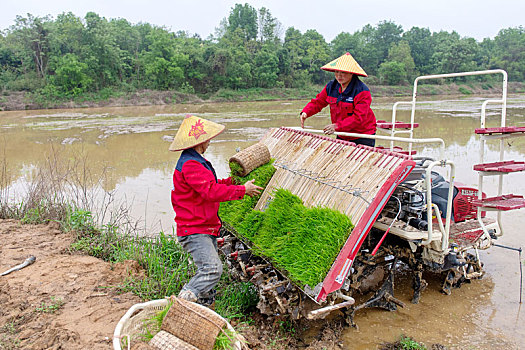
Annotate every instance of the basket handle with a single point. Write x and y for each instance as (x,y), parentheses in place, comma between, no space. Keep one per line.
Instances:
(116,337)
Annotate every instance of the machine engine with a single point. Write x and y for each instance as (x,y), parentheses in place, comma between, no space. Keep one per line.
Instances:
(408,203)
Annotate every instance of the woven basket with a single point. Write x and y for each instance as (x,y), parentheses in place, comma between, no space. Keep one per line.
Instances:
(167,341)
(131,325)
(188,322)
(251,158)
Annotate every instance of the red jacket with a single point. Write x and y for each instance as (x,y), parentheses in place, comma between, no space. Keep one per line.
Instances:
(197,193)
(349,110)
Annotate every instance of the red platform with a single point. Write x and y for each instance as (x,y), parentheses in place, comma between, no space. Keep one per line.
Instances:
(501,130)
(383,124)
(505,202)
(466,233)
(501,167)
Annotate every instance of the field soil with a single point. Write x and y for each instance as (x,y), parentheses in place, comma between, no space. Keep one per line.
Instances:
(66,300)
(62,301)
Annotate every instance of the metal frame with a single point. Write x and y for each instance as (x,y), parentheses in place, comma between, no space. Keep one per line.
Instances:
(483,138)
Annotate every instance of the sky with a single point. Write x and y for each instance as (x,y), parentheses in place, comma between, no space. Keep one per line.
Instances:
(477,19)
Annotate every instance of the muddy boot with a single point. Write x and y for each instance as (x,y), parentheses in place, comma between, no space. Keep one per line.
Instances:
(188,295)
(208,299)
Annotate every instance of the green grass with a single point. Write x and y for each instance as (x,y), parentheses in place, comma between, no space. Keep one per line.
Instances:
(51,307)
(464,90)
(167,266)
(8,342)
(407,343)
(235,298)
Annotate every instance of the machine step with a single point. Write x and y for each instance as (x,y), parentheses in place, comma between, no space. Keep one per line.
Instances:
(383,124)
(509,166)
(467,233)
(501,130)
(503,203)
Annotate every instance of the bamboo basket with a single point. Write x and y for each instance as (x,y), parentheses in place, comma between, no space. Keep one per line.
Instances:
(251,158)
(131,325)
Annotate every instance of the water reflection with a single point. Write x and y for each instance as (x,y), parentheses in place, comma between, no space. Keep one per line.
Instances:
(130,146)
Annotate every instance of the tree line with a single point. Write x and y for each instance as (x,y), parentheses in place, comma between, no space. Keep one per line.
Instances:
(69,55)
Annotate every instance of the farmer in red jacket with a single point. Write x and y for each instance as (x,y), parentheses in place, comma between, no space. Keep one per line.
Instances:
(349,101)
(195,197)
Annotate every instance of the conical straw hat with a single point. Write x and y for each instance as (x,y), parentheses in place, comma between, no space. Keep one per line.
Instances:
(194,131)
(345,63)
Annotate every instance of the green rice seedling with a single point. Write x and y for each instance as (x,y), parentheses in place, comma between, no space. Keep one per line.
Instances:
(302,242)
(224,340)
(233,212)
(283,231)
(235,168)
(251,224)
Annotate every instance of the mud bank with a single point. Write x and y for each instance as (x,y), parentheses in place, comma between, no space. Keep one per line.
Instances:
(62,301)
(20,100)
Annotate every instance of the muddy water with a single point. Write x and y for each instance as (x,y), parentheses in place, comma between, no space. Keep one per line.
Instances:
(128,147)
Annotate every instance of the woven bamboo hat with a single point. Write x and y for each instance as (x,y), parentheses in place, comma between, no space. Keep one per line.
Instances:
(345,63)
(194,131)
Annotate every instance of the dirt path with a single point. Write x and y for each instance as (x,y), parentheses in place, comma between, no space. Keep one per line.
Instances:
(59,302)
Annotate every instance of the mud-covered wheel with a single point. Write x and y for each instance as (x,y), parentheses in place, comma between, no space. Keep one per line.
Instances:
(473,267)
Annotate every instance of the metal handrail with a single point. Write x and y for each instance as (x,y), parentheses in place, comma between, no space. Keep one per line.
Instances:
(380,137)
(430,205)
(393,130)
(503,101)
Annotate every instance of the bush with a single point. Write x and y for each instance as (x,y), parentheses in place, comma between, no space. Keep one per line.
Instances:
(464,90)
(393,73)
(70,79)
(24,82)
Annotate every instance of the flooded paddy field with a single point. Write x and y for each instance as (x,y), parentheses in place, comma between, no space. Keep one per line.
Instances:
(128,149)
